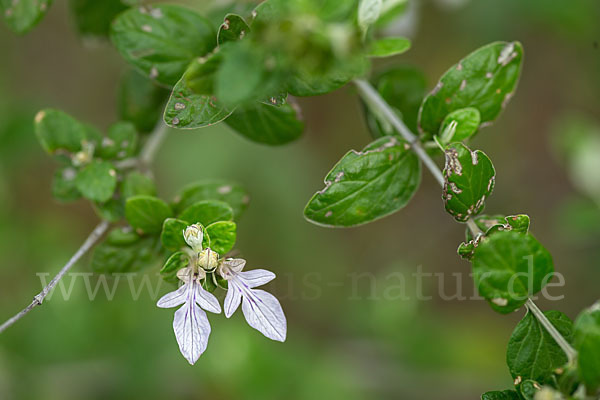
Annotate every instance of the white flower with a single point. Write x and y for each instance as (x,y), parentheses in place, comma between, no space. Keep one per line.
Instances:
(261,309)
(190,324)
(193,237)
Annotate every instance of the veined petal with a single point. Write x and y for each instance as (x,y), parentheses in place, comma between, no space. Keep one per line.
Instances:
(191,329)
(264,313)
(206,300)
(256,277)
(233,298)
(175,298)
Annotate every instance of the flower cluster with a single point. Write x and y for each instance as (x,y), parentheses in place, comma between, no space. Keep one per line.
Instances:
(192,329)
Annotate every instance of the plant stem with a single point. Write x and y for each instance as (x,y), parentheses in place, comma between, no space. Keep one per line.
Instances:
(374,99)
(551,329)
(147,154)
(98,231)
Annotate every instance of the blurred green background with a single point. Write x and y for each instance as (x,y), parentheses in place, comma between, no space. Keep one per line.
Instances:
(349,335)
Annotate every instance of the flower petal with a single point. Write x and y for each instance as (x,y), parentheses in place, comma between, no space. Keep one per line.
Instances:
(207,300)
(256,277)
(232,300)
(264,313)
(192,330)
(173,299)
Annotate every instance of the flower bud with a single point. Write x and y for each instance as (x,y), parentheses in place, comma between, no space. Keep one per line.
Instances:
(193,237)
(208,259)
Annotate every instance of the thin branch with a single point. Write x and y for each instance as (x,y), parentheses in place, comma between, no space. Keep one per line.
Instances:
(37,300)
(374,99)
(551,329)
(147,154)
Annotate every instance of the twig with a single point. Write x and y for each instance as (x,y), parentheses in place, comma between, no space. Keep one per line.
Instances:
(551,329)
(374,99)
(147,154)
(37,300)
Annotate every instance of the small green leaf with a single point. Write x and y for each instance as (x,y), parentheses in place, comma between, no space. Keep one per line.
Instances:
(486,80)
(200,74)
(469,178)
(490,224)
(459,125)
(367,185)
(59,132)
(206,212)
(532,353)
(176,262)
(121,141)
(22,15)
(93,17)
(222,236)
(268,124)
(136,183)
(63,185)
(500,395)
(161,40)
(188,110)
(587,343)
(508,267)
(232,29)
(141,101)
(172,234)
(112,210)
(227,191)
(97,181)
(388,47)
(125,252)
(306,83)
(403,89)
(529,388)
(146,213)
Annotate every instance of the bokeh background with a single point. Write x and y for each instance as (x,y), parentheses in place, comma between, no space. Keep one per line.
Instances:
(350,336)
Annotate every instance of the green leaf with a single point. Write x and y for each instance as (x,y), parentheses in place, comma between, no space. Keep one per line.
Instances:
(121,141)
(172,234)
(529,389)
(490,224)
(500,395)
(268,124)
(173,264)
(200,74)
(242,75)
(486,79)
(112,210)
(232,29)
(305,83)
(188,110)
(387,47)
(141,101)
(21,16)
(532,353)
(459,125)
(146,213)
(403,89)
(391,10)
(587,343)
(97,181)
(124,251)
(136,183)
(63,185)
(508,267)
(222,236)
(206,212)
(93,17)
(367,185)
(162,40)
(227,191)
(59,132)
(469,178)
